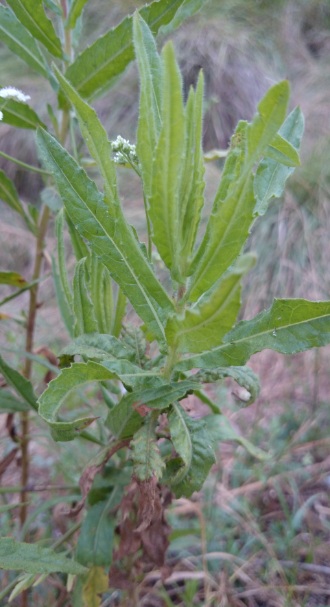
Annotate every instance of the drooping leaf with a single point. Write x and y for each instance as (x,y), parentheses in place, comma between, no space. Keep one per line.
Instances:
(147,460)
(289,326)
(95,541)
(21,42)
(204,325)
(113,242)
(33,558)
(10,404)
(75,11)
(271,176)
(164,210)
(83,310)
(233,209)
(188,472)
(96,584)
(31,14)
(53,397)
(150,70)
(21,385)
(19,114)
(244,376)
(98,66)
(219,428)
(12,278)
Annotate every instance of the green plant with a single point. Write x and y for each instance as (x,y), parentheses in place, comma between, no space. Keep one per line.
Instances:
(150,446)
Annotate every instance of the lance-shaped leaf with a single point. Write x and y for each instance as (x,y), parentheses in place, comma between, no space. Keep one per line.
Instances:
(75,11)
(32,558)
(95,541)
(112,241)
(10,404)
(186,10)
(271,176)
(205,324)
(101,295)
(20,41)
(164,210)
(150,71)
(147,461)
(79,246)
(61,281)
(31,14)
(21,385)
(19,114)
(97,67)
(244,376)
(188,471)
(96,139)
(233,209)
(12,278)
(283,152)
(82,304)
(191,197)
(58,389)
(289,326)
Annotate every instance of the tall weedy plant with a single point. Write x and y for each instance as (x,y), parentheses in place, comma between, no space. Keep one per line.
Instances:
(186,333)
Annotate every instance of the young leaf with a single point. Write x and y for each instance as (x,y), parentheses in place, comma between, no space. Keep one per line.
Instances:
(12,278)
(97,67)
(204,325)
(76,9)
(53,397)
(33,558)
(113,242)
(289,326)
(19,114)
(191,442)
(233,209)
(83,309)
(167,167)
(10,404)
(270,176)
(150,70)
(20,41)
(147,461)
(21,385)
(95,541)
(31,14)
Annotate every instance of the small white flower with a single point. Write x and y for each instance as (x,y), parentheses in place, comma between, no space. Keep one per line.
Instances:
(10,92)
(1,116)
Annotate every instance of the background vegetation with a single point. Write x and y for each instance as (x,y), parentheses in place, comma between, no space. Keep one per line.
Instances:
(259,534)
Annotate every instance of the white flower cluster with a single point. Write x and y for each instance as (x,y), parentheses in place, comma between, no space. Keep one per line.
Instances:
(124,151)
(10,92)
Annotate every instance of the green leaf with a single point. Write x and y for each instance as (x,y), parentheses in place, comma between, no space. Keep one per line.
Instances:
(21,385)
(113,242)
(167,166)
(191,199)
(61,280)
(98,66)
(147,461)
(19,114)
(83,309)
(150,70)
(283,152)
(95,541)
(233,209)
(53,397)
(20,41)
(12,278)
(289,326)
(271,176)
(100,347)
(76,9)
(35,559)
(79,246)
(123,421)
(101,295)
(204,325)
(32,16)
(244,376)
(10,404)
(219,429)
(9,195)
(188,472)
